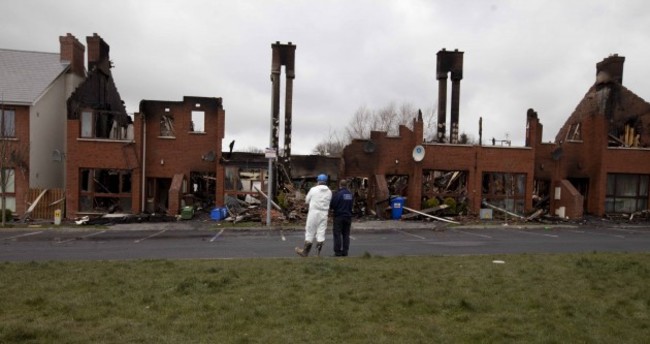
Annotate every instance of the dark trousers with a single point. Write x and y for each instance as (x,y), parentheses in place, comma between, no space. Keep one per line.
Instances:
(341,229)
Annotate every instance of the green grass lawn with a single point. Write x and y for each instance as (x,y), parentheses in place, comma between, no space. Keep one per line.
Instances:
(572,298)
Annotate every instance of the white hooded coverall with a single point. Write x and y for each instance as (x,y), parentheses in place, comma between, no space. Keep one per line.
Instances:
(318,198)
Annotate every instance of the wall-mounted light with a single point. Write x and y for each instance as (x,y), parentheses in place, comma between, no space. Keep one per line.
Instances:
(396,161)
(162,162)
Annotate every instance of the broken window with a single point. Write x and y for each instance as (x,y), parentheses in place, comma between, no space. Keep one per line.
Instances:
(8,123)
(244,179)
(244,182)
(167,124)
(541,192)
(197,124)
(8,188)
(626,193)
(87,124)
(105,190)
(397,185)
(438,185)
(575,133)
(102,125)
(203,187)
(505,190)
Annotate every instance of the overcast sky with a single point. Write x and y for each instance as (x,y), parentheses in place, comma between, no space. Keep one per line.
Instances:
(351,53)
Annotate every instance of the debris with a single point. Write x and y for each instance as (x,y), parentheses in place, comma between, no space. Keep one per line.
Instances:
(502,210)
(535,215)
(431,216)
(273,203)
(426,211)
(31,207)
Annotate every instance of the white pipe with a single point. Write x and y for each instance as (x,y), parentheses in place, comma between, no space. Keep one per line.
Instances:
(143,196)
(431,216)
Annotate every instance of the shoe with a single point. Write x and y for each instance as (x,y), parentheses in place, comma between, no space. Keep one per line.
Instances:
(304,252)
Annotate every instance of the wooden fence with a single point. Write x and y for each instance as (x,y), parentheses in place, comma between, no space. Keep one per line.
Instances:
(51,200)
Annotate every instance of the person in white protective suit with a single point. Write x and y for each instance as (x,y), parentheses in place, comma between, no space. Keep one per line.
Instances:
(318,198)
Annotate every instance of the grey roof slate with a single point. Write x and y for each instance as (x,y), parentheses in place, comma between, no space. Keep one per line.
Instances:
(25,75)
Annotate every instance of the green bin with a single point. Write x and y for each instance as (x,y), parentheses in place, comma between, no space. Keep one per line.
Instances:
(187,213)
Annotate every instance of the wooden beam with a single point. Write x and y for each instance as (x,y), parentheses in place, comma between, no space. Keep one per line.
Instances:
(502,210)
(431,216)
(31,207)
(427,211)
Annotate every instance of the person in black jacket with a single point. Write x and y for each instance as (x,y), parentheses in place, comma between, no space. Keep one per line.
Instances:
(341,205)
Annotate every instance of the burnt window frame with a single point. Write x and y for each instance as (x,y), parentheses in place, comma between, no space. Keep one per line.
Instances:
(616,194)
(492,194)
(95,191)
(233,183)
(167,129)
(111,130)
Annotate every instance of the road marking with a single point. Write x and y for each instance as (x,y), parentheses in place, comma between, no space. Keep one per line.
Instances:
(628,230)
(216,236)
(151,236)
(529,233)
(595,233)
(22,235)
(475,234)
(413,235)
(82,237)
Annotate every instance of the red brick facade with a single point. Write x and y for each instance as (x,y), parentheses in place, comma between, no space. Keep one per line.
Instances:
(114,163)
(16,154)
(183,151)
(607,136)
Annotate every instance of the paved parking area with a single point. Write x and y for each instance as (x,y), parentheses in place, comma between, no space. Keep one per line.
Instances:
(382,238)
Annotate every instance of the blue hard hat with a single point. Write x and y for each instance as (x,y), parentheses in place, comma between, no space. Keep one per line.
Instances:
(321,178)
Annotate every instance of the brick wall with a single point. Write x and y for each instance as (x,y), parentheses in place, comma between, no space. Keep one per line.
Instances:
(98,154)
(20,145)
(186,151)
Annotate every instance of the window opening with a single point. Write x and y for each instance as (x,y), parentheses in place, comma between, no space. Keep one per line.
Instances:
(8,122)
(626,193)
(440,185)
(505,190)
(8,188)
(105,190)
(197,124)
(167,124)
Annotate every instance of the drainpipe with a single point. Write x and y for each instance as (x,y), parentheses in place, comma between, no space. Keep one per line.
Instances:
(143,196)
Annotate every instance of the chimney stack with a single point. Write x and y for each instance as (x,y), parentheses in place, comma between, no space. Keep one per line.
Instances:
(449,62)
(97,50)
(610,69)
(73,51)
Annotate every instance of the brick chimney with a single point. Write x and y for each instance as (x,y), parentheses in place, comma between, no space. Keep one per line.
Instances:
(73,51)
(97,50)
(610,69)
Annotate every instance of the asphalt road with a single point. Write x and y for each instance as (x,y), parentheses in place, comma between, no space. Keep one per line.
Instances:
(176,241)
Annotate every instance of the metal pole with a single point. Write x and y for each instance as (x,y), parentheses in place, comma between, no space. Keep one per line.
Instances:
(270,168)
(270,189)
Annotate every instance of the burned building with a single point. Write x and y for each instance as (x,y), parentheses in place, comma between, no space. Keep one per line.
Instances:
(599,163)
(162,159)
(246,173)
(101,158)
(603,149)
(180,147)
